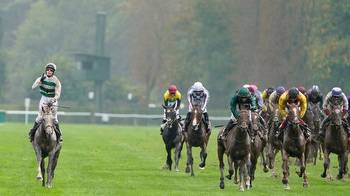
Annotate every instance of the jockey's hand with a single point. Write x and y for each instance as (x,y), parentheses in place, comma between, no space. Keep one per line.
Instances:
(53,100)
(42,77)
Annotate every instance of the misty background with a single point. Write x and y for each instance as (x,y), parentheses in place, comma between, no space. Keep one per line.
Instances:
(154,43)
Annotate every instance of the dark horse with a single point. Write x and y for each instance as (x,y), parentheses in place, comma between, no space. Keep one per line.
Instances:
(237,148)
(294,145)
(45,144)
(274,144)
(172,137)
(196,136)
(257,146)
(313,118)
(335,141)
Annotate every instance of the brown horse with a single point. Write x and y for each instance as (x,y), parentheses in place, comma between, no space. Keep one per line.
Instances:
(274,145)
(237,148)
(294,145)
(172,137)
(257,146)
(196,136)
(312,118)
(336,142)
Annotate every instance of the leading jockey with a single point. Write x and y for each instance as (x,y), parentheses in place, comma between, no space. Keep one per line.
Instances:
(198,94)
(243,99)
(172,98)
(293,96)
(334,97)
(50,90)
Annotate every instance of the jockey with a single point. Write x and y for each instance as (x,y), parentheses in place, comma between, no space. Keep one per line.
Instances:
(243,99)
(265,96)
(293,96)
(315,96)
(198,94)
(50,90)
(274,98)
(253,89)
(172,98)
(334,97)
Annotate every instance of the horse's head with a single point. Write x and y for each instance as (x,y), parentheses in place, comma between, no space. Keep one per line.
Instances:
(293,112)
(48,119)
(196,117)
(243,120)
(336,114)
(170,115)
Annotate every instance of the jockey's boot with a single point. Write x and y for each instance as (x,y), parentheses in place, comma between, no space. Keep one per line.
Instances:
(162,126)
(207,123)
(227,129)
(32,131)
(58,132)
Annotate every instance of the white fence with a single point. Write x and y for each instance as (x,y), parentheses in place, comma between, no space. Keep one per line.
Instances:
(104,117)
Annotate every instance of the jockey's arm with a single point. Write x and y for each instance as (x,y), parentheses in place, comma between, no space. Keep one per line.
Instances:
(178,103)
(57,90)
(282,105)
(189,99)
(326,101)
(206,99)
(346,103)
(303,105)
(36,83)
(233,106)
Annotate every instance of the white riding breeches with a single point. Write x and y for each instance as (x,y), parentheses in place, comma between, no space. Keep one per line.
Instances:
(44,101)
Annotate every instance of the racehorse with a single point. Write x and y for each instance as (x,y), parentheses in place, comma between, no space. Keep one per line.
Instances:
(294,145)
(237,148)
(45,144)
(312,118)
(196,136)
(335,141)
(274,145)
(172,137)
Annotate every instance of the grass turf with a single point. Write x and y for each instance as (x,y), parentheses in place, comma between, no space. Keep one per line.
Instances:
(121,160)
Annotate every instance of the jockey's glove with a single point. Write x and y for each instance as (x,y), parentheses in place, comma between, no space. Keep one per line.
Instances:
(42,77)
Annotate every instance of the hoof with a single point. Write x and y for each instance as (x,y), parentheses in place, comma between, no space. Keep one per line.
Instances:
(241,189)
(192,174)
(323,175)
(339,177)
(202,168)
(305,185)
(48,186)
(202,165)
(266,170)
(229,177)
(299,174)
(286,187)
(222,185)
(235,181)
(187,170)
(177,170)
(39,178)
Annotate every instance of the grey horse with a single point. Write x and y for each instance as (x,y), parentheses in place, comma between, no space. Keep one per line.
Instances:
(45,144)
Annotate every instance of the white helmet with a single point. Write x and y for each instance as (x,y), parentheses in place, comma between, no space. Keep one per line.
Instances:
(51,65)
(198,86)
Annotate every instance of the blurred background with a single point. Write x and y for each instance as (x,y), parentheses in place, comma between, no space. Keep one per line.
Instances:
(119,56)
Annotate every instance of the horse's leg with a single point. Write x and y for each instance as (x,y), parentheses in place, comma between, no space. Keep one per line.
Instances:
(263,159)
(189,164)
(326,162)
(285,169)
(39,160)
(177,156)
(341,160)
(241,175)
(42,170)
(235,180)
(169,161)
(203,155)
(230,168)
(321,151)
(220,152)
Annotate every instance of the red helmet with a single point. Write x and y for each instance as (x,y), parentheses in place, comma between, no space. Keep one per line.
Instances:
(302,89)
(172,89)
(252,88)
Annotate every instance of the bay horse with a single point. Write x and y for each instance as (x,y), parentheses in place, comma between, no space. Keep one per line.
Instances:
(274,144)
(335,141)
(294,144)
(172,137)
(237,148)
(196,136)
(312,118)
(45,144)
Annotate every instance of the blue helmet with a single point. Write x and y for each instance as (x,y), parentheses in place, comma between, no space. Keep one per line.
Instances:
(336,92)
(280,90)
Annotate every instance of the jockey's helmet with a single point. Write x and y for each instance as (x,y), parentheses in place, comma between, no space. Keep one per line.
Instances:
(336,92)
(198,86)
(293,93)
(243,92)
(269,90)
(280,90)
(252,88)
(51,66)
(172,89)
(315,90)
(302,89)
